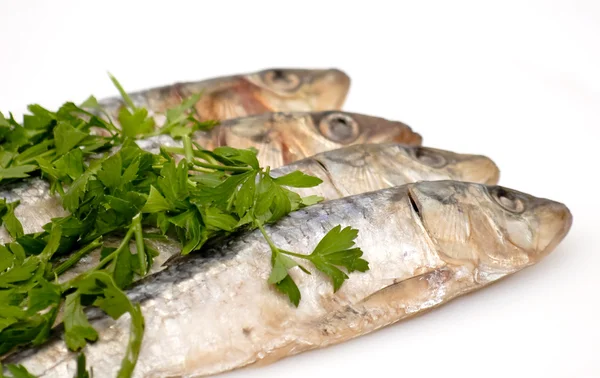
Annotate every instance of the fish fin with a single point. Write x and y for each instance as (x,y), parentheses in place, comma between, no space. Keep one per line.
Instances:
(386,306)
(403,293)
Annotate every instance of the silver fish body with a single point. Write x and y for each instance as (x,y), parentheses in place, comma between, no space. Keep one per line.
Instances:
(426,244)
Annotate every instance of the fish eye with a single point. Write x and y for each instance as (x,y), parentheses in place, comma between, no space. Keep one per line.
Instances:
(508,200)
(339,127)
(429,157)
(281,80)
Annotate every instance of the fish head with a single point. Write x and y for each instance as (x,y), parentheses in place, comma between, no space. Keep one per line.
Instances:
(347,128)
(496,230)
(324,131)
(301,89)
(448,164)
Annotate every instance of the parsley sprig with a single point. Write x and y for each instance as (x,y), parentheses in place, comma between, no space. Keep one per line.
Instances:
(335,250)
(130,195)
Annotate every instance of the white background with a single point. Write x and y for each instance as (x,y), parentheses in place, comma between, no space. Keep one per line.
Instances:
(517,81)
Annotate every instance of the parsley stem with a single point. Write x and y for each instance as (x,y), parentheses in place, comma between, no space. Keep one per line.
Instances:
(177,150)
(274,248)
(187,148)
(124,94)
(197,153)
(306,257)
(75,257)
(203,170)
(222,167)
(136,224)
(116,252)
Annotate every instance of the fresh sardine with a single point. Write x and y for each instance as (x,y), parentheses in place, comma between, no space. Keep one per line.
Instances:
(282,138)
(242,95)
(426,244)
(368,167)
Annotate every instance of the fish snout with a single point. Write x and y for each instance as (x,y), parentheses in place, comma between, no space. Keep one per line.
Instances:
(330,88)
(479,169)
(406,135)
(381,130)
(555,220)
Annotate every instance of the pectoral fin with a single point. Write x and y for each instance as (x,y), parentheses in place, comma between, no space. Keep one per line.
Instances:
(409,293)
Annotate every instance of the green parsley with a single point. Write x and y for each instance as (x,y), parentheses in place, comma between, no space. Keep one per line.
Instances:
(131,195)
(335,250)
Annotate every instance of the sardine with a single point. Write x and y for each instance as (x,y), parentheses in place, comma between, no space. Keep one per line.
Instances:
(248,94)
(426,244)
(346,171)
(368,167)
(282,138)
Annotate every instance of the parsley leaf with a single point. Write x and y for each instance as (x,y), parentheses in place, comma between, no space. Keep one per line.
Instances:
(66,137)
(8,218)
(288,286)
(17,172)
(336,249)
(77,327)
(298,179)
(280,268)
(135,123)
(156,202)
(311,200)
(336,239)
